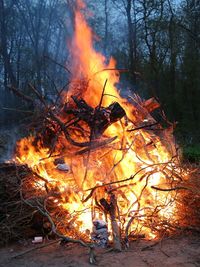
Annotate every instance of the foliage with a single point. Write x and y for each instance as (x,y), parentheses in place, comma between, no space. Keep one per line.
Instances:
(192,153)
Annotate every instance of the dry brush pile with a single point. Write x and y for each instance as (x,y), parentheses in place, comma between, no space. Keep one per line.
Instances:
(25,209)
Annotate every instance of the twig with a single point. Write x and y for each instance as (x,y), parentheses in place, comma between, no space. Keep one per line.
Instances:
(20,94)
(60,93)
(130,178)
(170,189)
(102,95)
(57,63)
(111,69)
(46,214)
(96,145)
(142,127)
(40,96)
(150,246)
(35,248)
(17,110)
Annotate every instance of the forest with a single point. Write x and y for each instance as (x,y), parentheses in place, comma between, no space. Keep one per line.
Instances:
(155,42)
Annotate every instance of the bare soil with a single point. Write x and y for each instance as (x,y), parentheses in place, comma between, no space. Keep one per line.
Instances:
(183,251)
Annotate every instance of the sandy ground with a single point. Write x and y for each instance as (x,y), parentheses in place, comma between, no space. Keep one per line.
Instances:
(183,251)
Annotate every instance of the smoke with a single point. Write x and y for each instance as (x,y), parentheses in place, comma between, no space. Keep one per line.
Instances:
(8,138)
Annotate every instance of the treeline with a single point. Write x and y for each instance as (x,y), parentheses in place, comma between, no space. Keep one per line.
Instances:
(157,41)
(32,42)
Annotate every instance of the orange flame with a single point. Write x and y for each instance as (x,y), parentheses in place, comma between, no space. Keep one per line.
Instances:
(137,160)
(90,65)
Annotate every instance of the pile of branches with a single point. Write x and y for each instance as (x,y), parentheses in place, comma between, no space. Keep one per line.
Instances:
(189,202)
(21,219)
(16,218)
(90,138)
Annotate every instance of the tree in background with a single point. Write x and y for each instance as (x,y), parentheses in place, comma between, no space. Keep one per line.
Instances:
(157,41)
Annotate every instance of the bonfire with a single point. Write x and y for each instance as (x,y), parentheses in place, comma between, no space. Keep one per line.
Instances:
(99,168)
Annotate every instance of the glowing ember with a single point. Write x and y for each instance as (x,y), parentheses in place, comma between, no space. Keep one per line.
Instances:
(132,166)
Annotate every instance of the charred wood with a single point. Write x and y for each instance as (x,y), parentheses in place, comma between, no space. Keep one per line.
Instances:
(99,118)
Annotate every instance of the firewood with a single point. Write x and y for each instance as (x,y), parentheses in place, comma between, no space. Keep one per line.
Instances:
(151,104)
(99,118)
(104,117)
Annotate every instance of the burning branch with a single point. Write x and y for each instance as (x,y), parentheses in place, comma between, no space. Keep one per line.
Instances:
(35,204)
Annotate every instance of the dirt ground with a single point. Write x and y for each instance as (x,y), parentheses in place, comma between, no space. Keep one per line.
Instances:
(183,251)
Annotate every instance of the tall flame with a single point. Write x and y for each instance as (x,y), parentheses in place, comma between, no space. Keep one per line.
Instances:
(90,65)
(136,161)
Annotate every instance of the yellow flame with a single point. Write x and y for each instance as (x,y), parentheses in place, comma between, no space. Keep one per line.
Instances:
(130,153)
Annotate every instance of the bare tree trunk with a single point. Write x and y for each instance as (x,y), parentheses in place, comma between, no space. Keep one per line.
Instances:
(131,40)
(106,26)
(4,46)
